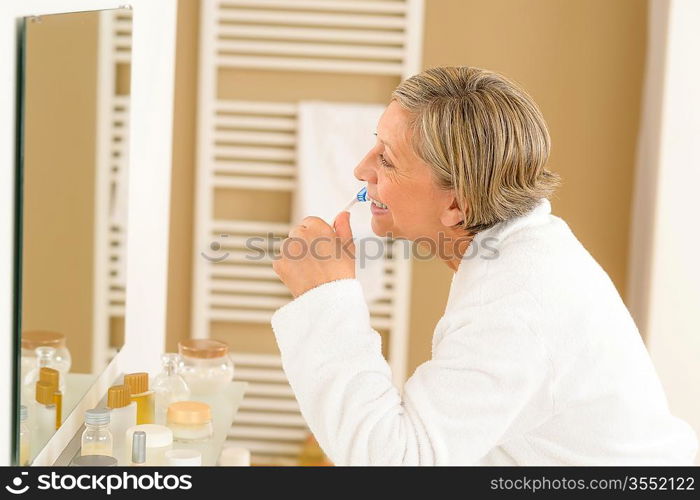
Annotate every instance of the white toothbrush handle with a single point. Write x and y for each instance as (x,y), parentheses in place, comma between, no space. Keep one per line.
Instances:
(349,205)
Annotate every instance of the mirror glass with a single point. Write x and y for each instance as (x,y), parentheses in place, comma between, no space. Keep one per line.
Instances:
(72,202)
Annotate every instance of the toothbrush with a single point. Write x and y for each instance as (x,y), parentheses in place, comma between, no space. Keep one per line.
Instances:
(360,196)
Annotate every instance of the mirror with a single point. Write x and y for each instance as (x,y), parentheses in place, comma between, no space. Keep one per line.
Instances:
(73,136)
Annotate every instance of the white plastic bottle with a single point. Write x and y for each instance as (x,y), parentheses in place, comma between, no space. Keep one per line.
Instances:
(142,396)
(96,438)
(44,414)
(122,416)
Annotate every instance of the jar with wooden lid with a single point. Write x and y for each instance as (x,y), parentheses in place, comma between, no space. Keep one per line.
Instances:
(205,365)
(44,338)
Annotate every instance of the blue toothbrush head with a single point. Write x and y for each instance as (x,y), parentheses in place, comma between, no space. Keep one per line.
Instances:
(362,194)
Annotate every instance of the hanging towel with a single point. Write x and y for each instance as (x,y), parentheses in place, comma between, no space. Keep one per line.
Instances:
(332,139)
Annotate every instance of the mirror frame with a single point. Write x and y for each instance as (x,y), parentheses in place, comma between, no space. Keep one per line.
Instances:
(150,161)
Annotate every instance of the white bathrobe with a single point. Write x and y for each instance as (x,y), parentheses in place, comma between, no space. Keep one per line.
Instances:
(536,361)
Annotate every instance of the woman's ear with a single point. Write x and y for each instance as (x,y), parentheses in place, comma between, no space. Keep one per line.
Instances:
(452,215)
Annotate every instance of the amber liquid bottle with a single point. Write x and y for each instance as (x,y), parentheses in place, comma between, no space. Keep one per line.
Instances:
(51,376)
(144,399)
(312,455)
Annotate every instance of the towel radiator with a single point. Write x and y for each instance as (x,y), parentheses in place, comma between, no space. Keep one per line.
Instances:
(112,147)
(250,145)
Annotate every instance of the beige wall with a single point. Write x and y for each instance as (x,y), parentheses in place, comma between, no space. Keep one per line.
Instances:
(182,194)
(59,180)
(582,60)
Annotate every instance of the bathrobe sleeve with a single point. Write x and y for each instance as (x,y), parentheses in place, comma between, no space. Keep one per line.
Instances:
(489,376)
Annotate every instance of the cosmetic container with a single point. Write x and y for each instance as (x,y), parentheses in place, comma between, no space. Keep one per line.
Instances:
(142,396)
(122,416)
(24,437)
(138,448)
(159,439)
(44,413)
(183,458)
(233,456)
(190,421)
(94,461)
(96,438)
(169,386)
(205,366)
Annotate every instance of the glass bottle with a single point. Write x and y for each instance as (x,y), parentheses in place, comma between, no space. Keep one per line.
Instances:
(24,437)
(44,359)
(142,396)
(96,439)
(33,339)
(169,386)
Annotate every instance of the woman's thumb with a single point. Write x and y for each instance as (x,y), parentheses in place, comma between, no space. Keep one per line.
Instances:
(342,225)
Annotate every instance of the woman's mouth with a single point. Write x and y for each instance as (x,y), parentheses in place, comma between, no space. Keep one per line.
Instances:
(377,207)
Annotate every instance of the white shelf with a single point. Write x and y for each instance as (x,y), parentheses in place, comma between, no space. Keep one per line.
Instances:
(224,408)
(77,385)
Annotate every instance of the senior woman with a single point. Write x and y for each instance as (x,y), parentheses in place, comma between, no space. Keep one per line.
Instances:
(536,359)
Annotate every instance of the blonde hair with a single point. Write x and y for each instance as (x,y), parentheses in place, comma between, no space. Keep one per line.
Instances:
(482,136)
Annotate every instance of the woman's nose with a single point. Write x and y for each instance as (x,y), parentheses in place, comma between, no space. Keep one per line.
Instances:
(366,169)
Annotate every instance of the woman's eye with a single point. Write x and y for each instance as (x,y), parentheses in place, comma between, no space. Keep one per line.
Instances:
(383,161)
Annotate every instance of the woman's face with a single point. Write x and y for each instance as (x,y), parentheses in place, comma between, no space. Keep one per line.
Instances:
(400,181)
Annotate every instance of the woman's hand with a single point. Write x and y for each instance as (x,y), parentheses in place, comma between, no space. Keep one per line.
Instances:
(315,254)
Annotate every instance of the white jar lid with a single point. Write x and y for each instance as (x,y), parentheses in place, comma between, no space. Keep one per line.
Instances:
(157,436)
(234,456)
(183,457)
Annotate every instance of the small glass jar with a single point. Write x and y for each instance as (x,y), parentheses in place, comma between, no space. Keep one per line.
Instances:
(96,439)
(190,421)
(205,365)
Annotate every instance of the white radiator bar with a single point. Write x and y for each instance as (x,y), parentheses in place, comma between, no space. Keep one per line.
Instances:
(112,154)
